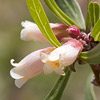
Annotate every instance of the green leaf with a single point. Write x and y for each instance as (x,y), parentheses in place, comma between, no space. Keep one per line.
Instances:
(94,11)
(88,21)
(96,31)
(41,20)
(56,92)
(92,56)
(89,92)
(58,12)
(72,9)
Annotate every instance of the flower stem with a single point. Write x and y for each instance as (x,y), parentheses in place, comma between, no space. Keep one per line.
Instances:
(57,90)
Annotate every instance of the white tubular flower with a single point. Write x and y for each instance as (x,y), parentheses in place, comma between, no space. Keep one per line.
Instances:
(28,67)
(61,57)
(32,32)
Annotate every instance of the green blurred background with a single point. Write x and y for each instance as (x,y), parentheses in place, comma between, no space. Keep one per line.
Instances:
(12,13)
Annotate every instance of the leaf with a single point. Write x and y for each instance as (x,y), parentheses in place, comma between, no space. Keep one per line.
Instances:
(94,12)
(41,20)
(92,56)
(88,21)
(72,9)
(96,31)
(56,92)
(89,92)
(58,12)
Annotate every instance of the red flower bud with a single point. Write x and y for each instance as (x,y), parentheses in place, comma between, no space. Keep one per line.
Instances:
(73,32)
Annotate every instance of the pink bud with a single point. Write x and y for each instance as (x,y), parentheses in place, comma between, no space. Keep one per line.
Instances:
(73,31)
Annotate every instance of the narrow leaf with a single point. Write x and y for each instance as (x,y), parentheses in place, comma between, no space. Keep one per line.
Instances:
(88,21)
(41,20)
(72,9)
(91,12)
(96,31)
(92,56)
(89,92)
(94,11)
(58,12)
(56,92)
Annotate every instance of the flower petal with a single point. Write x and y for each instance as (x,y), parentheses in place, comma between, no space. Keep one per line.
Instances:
(69,56)
(60,71)
(54,55)
(44,57)
(15,74)
(20,82)
(47,69)
(45,52)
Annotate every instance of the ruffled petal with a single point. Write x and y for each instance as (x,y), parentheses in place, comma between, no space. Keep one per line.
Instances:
(20,82)
(15,74)
(47,69)
(60,70)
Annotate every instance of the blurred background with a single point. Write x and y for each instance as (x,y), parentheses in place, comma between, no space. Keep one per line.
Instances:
(12,13)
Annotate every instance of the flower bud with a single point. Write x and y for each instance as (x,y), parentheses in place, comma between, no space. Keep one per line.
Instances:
(32,32)
(73,31)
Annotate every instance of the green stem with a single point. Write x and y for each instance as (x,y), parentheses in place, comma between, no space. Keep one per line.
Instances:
(57,90)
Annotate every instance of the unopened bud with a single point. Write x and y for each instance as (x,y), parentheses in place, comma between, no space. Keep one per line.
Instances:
(73,32)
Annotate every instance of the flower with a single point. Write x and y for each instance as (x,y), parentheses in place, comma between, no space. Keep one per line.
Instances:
(28,67)
(32,32)
(48,60)
(61,57)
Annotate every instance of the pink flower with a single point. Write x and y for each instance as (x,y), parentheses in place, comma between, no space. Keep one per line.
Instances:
(61,57)
(28,67)
(48,60)
(32,32)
